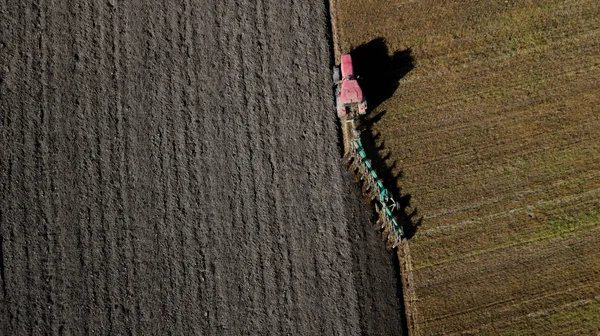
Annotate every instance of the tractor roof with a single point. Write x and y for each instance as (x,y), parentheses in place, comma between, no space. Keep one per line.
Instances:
(346,65)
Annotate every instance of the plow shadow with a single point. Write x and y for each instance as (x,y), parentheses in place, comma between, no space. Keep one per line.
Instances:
(407,216)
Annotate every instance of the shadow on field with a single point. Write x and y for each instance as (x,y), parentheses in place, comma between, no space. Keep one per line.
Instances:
(379,72)
(407,216)
(377,271)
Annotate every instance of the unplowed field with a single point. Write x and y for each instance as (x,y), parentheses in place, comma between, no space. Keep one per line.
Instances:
(495,136)
(173,168)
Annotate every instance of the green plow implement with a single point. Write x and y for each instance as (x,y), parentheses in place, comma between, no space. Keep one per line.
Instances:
(384,201)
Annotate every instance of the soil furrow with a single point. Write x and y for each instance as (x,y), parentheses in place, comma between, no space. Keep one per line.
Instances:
(105,243)
(143,172)
(221,196)
(162,122)
(50,71)
(240,165)
(120,287)
(302,247)
(186,123)
(32,281)
(201,109)
(172,14)
(282,261)
(125,170)
(14,249)
(273,251)
(86,183)
(255,204)
(212,114)
(190,261)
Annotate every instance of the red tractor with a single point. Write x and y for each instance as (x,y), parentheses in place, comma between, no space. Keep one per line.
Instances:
(349,98)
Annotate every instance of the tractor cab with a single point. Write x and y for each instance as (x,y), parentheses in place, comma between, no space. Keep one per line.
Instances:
(350,101)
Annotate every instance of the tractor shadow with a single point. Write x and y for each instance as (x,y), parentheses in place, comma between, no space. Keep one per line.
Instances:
(379,72)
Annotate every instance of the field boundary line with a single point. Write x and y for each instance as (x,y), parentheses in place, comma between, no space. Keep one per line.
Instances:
(406,277)
(332,4)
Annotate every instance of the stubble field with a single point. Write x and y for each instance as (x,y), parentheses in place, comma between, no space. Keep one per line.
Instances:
(173,167)
(494,135)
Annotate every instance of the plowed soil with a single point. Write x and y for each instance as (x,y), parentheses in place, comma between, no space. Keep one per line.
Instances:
(174,168)
(495,136)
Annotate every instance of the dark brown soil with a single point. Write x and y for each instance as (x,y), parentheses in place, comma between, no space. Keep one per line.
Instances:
(174,168)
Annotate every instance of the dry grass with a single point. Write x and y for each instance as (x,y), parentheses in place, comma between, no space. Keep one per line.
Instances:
(497,134)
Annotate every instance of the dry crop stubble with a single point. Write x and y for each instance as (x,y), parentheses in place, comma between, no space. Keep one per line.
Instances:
(495,132)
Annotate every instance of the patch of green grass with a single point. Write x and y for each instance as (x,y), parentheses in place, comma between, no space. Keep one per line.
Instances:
(570,223)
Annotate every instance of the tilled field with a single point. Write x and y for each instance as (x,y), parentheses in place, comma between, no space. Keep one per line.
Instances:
(174,168)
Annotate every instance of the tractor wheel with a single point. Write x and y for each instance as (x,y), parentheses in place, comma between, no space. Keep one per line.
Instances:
(336,74)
